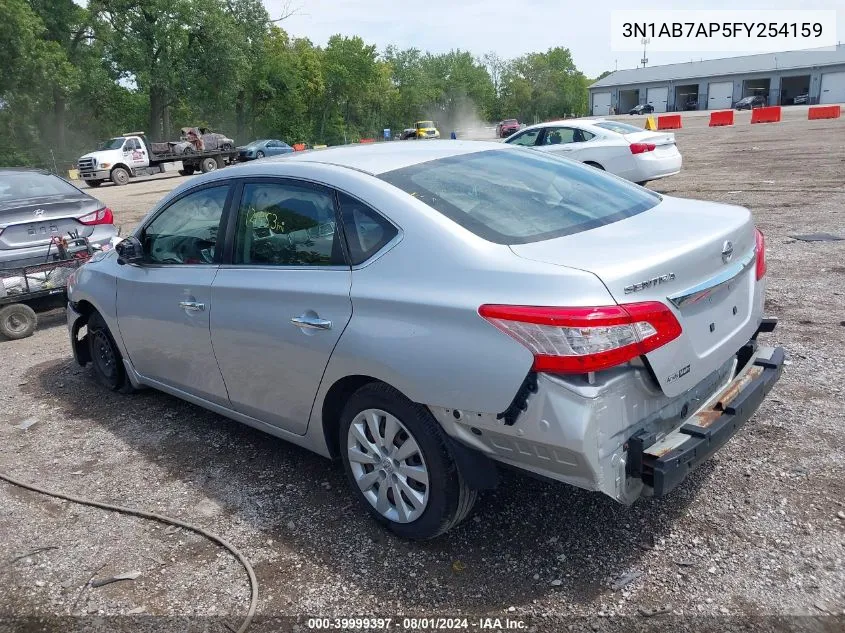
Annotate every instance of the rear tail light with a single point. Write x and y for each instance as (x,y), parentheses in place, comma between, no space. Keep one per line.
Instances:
(101,216)
(639,148)
(760,253)
(581,340)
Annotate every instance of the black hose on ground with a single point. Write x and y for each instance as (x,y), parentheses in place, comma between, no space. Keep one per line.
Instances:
(253,582)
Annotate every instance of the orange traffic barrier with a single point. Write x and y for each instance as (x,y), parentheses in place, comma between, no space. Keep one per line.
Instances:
(669,122)
(367,140)
(769,114)
(721,117)
(824,112)
(298,147)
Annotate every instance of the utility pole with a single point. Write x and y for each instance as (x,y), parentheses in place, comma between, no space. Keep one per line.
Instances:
(645,42)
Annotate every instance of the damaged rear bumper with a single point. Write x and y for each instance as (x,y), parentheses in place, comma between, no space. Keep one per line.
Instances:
(663,464)
(618,433)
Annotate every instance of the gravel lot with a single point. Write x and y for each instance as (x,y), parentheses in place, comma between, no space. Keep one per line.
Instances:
(754,540)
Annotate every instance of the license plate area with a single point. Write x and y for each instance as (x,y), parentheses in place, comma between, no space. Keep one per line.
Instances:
(44,229)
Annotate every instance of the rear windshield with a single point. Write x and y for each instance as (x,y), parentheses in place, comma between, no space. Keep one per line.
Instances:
(619,128)
(26,184)
(517,196)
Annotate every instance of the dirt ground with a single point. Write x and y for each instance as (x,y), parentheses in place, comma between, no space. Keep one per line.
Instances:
(753,540)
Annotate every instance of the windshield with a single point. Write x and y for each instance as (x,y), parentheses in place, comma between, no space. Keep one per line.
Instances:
(30,184)
(747,100)
(619,128)
(423,124)
(114,143)
(517,196)
(508,121)
(257,143)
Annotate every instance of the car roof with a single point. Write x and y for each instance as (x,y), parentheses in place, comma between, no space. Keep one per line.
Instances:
(378,158)
(565,123)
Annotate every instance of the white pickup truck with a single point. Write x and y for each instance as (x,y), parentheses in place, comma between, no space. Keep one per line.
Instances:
(124,157)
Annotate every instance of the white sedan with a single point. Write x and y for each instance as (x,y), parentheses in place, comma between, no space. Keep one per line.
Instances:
(627,151)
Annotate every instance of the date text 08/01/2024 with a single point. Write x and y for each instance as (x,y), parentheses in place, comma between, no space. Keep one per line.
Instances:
(416,624)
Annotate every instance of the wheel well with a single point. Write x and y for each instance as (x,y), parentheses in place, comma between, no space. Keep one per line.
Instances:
(593,163)
(333,404)
(126,167)
(86,309)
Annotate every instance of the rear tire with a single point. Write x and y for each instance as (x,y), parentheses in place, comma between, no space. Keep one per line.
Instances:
(119,176)
(17,321)
(187,171)
(418,492)
(106,358)
(208,164)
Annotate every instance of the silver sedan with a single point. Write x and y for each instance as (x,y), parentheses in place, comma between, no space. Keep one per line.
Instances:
(427,312)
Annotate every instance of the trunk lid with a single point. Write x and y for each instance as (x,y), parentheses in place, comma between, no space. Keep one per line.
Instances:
(34,221)
(675,253)
(658,138)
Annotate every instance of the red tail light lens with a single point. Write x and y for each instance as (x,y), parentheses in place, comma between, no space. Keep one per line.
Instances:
(639,148)
(581,340)
(101,216)
(760,252)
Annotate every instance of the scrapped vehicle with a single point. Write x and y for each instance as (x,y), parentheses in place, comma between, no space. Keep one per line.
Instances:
(749,103)
(801,99)
(132,154)
(37,207)
(425,312)
(426,129)
(262,148)
(642,108)
(202,139)
(410,132)
(625,150)
(507,127)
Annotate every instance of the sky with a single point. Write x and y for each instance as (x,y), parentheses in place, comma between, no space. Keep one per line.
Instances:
(507,27)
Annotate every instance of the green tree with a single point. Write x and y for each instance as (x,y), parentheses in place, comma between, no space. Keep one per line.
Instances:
(30,62)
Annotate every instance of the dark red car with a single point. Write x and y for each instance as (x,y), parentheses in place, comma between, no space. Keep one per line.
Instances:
(508,127)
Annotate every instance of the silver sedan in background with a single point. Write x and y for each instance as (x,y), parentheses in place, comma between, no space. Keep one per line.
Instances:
(427,312)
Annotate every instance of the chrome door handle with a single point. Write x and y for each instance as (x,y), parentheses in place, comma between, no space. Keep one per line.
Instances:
(311,323)
(192,306)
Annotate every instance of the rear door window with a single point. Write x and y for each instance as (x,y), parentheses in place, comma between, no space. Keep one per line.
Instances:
(287,223)
(517,196)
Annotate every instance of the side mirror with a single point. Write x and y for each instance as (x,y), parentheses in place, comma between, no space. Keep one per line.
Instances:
(129,251)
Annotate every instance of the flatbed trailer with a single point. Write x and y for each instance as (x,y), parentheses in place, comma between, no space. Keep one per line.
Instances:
(133,156)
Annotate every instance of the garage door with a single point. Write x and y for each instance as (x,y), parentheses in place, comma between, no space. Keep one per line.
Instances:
(720,95)
(658,98)
(601,103)
(833,88)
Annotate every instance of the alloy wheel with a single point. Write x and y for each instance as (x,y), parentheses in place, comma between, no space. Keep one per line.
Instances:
(388,465)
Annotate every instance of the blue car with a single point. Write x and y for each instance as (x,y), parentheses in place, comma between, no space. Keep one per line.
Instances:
(262,148)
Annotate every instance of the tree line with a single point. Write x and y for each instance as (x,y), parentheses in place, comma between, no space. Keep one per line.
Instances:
(73,75)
